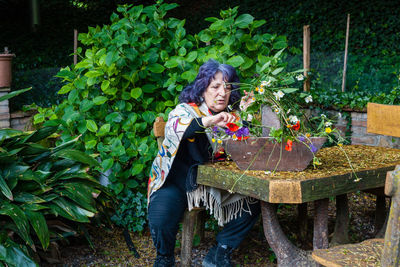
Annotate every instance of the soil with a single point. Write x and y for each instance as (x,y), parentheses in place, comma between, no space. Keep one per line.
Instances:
(110,248)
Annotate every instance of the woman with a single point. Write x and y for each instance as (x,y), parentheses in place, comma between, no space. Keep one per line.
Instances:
(172,184)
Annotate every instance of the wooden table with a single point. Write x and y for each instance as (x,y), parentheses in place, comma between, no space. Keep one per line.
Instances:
(370,165)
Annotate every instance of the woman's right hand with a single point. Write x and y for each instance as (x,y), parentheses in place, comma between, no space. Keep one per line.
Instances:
(221,119)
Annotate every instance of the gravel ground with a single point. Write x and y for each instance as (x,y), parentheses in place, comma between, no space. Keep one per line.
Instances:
(110,248)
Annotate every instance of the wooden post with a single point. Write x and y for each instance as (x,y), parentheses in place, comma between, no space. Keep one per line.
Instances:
(391,255)
(345,53)
(75,46)
(306,56)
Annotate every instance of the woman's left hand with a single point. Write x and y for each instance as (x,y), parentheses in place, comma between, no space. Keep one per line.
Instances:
(246,100)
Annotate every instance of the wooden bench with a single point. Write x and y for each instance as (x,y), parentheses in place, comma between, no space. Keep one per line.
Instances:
(194,220)
(382,119)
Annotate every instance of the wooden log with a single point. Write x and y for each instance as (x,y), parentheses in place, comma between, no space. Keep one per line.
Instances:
(200,224)
(380,213)
(286,253)
(302,217)
(306,57)
(341,232)
(391,251)
(320,239)
(367,253)
(290,190)
(188,226)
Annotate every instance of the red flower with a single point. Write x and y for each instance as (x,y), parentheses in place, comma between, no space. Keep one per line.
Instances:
(240,138)
(289,144)
(232,127)
(296,126)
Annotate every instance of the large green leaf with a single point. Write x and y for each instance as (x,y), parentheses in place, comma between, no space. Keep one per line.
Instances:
(9,133)
(244,20)
(235,61)
(5,189)
(19,218)
(78,156)
(28,198)
(40,134)
(39,224)
(80,194)
(14,93)
(70,210)
(15,257)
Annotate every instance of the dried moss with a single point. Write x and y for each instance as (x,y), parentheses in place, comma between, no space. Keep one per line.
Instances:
(333,162)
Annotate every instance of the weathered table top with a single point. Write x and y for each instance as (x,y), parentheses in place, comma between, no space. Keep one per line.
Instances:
(335,176)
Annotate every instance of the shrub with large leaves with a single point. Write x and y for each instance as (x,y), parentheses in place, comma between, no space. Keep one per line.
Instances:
(39,184)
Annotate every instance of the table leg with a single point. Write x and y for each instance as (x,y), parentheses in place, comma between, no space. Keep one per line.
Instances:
(320,239)
(341,233)
(286,253)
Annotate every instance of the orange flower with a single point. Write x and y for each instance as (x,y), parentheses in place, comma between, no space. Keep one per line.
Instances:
(289,144)
(232,127)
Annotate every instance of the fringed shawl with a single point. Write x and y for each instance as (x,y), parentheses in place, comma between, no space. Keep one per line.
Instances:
(224,205)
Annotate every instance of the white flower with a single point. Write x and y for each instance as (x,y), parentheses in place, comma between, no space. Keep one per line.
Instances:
(277,110)
(287,112)
(308,99)
(249,117)
(323,116)
(328,124)
(339,115)
(300,77)
(267,172)
(261,90)
(264,83)
(278,95)
(293,119)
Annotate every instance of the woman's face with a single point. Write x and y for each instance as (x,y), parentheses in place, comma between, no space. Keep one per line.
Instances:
(216,95)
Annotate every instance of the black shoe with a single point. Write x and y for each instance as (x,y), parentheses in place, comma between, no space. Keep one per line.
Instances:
(218,256)
(164,261)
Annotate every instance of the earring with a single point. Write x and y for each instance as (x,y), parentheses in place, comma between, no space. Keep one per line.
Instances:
(201,99)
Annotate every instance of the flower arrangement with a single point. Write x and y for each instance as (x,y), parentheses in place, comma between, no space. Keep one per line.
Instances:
(278,91)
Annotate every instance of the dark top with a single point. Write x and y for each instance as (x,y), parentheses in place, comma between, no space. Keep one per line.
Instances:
(194,149)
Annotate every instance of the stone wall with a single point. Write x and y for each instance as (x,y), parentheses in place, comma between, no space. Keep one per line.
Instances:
(21,120)
(4,110)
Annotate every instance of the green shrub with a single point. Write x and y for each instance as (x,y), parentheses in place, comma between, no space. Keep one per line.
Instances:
(40,183)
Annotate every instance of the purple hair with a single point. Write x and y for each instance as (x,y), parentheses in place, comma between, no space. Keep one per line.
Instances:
(193,92)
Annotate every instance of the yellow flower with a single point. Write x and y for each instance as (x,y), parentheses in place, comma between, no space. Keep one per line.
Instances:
(234,137)
(256,89)
(308,135)
(213,140)
(219,141)
(340,144)
(289,126)
(328,130)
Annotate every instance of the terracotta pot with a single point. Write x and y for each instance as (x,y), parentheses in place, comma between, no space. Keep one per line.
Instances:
(5,69)
(264,153)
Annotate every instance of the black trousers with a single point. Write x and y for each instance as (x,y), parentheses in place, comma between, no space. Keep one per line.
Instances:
(166,209)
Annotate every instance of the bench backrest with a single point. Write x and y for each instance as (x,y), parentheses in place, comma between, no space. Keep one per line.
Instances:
(383,119)
(158,129)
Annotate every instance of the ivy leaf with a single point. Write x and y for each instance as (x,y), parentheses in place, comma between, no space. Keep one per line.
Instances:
(107,164)
(136,169)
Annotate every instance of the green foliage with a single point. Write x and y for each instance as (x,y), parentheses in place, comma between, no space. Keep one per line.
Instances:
(44,88)
(133,71)
(131,212)
(39,183)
